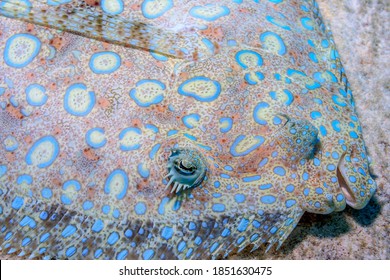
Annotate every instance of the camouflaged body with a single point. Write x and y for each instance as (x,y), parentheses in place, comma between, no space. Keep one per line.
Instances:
(87,127)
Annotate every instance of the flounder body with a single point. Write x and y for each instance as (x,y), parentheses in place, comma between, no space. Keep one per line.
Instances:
(170,129)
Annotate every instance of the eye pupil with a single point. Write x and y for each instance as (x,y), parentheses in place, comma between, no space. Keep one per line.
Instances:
(185,166)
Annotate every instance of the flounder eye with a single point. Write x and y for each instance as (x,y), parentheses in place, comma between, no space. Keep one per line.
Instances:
(186,169)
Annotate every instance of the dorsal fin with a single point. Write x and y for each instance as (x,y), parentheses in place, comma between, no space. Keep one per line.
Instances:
(85,20)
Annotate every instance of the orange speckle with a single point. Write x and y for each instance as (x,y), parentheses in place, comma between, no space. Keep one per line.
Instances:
(103,102)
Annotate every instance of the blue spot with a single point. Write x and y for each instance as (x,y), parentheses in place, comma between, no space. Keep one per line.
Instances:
(317,162)
(239,198)
(225,232)
(106,209)
(142,171)
(336,125)
(290,188)
(113,238)
(273,230)
(17,203)
(191,226)
(279,171)
(306,191)
(239,139)
(268,199)
(181,246)
(148,254)
(323,130)
(167,233)
(217,184)
(44,215)
(352,179)
(315,115)
(256,223)
(243,225)
(98,253)
(98,226)
(313,57)
(128,233)
(87,205)
(44,237)
(218,207)
(214,247)
(277,23)
(26,241)
(71,251)
(46,193)
(263,162)
(68,231)
(306,23)
(154,151)
(317,204)
(265,186)
(305,176)
(251,178)
(161,207)
(319,191)
(290,203)
(331,167)
(122,255)
(140,208)
(353,135)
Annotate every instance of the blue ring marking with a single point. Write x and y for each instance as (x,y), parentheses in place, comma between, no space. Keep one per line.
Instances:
(243,225)
(30,98)
(70,183)
(70,251)
(305,23)
(239,198)
(35,52)
(113,238)
(97,226)
(251,178)
(154,151)
(122,255)
(56,151)
(157,99)
(218,207)
(143,171)
(104,71)
(46,193)
(105,8)
(123,174)
(227,124)
(265,186)
(89,141)
(161,207)
(140,208)
(198,11)
(190,118)
(336,99)
(336,125)
(214,96)
(240,62)
(260,141)
(248,77)
(152,127)
(260,106)
(148,254)
(275,22)
(282,46)
(123,134)
(91,96)
(290,97)
(315,115)
(353,135)
(167,233)
(268,199)
(144,8)
(279,171)
(25,178)
(290,188)
(87,205)
(68,231)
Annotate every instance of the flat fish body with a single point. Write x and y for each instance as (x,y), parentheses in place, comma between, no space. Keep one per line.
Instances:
(94,128)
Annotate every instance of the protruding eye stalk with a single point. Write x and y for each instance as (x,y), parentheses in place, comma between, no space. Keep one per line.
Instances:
(186,169)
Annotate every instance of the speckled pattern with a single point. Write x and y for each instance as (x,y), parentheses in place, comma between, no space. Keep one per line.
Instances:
(297,149)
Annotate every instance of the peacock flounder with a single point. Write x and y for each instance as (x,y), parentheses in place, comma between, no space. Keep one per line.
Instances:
(170,129)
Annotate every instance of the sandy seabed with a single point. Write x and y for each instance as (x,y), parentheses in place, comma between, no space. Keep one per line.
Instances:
(361,30)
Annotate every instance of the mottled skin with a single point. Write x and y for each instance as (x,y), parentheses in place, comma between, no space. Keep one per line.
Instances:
(258,92)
